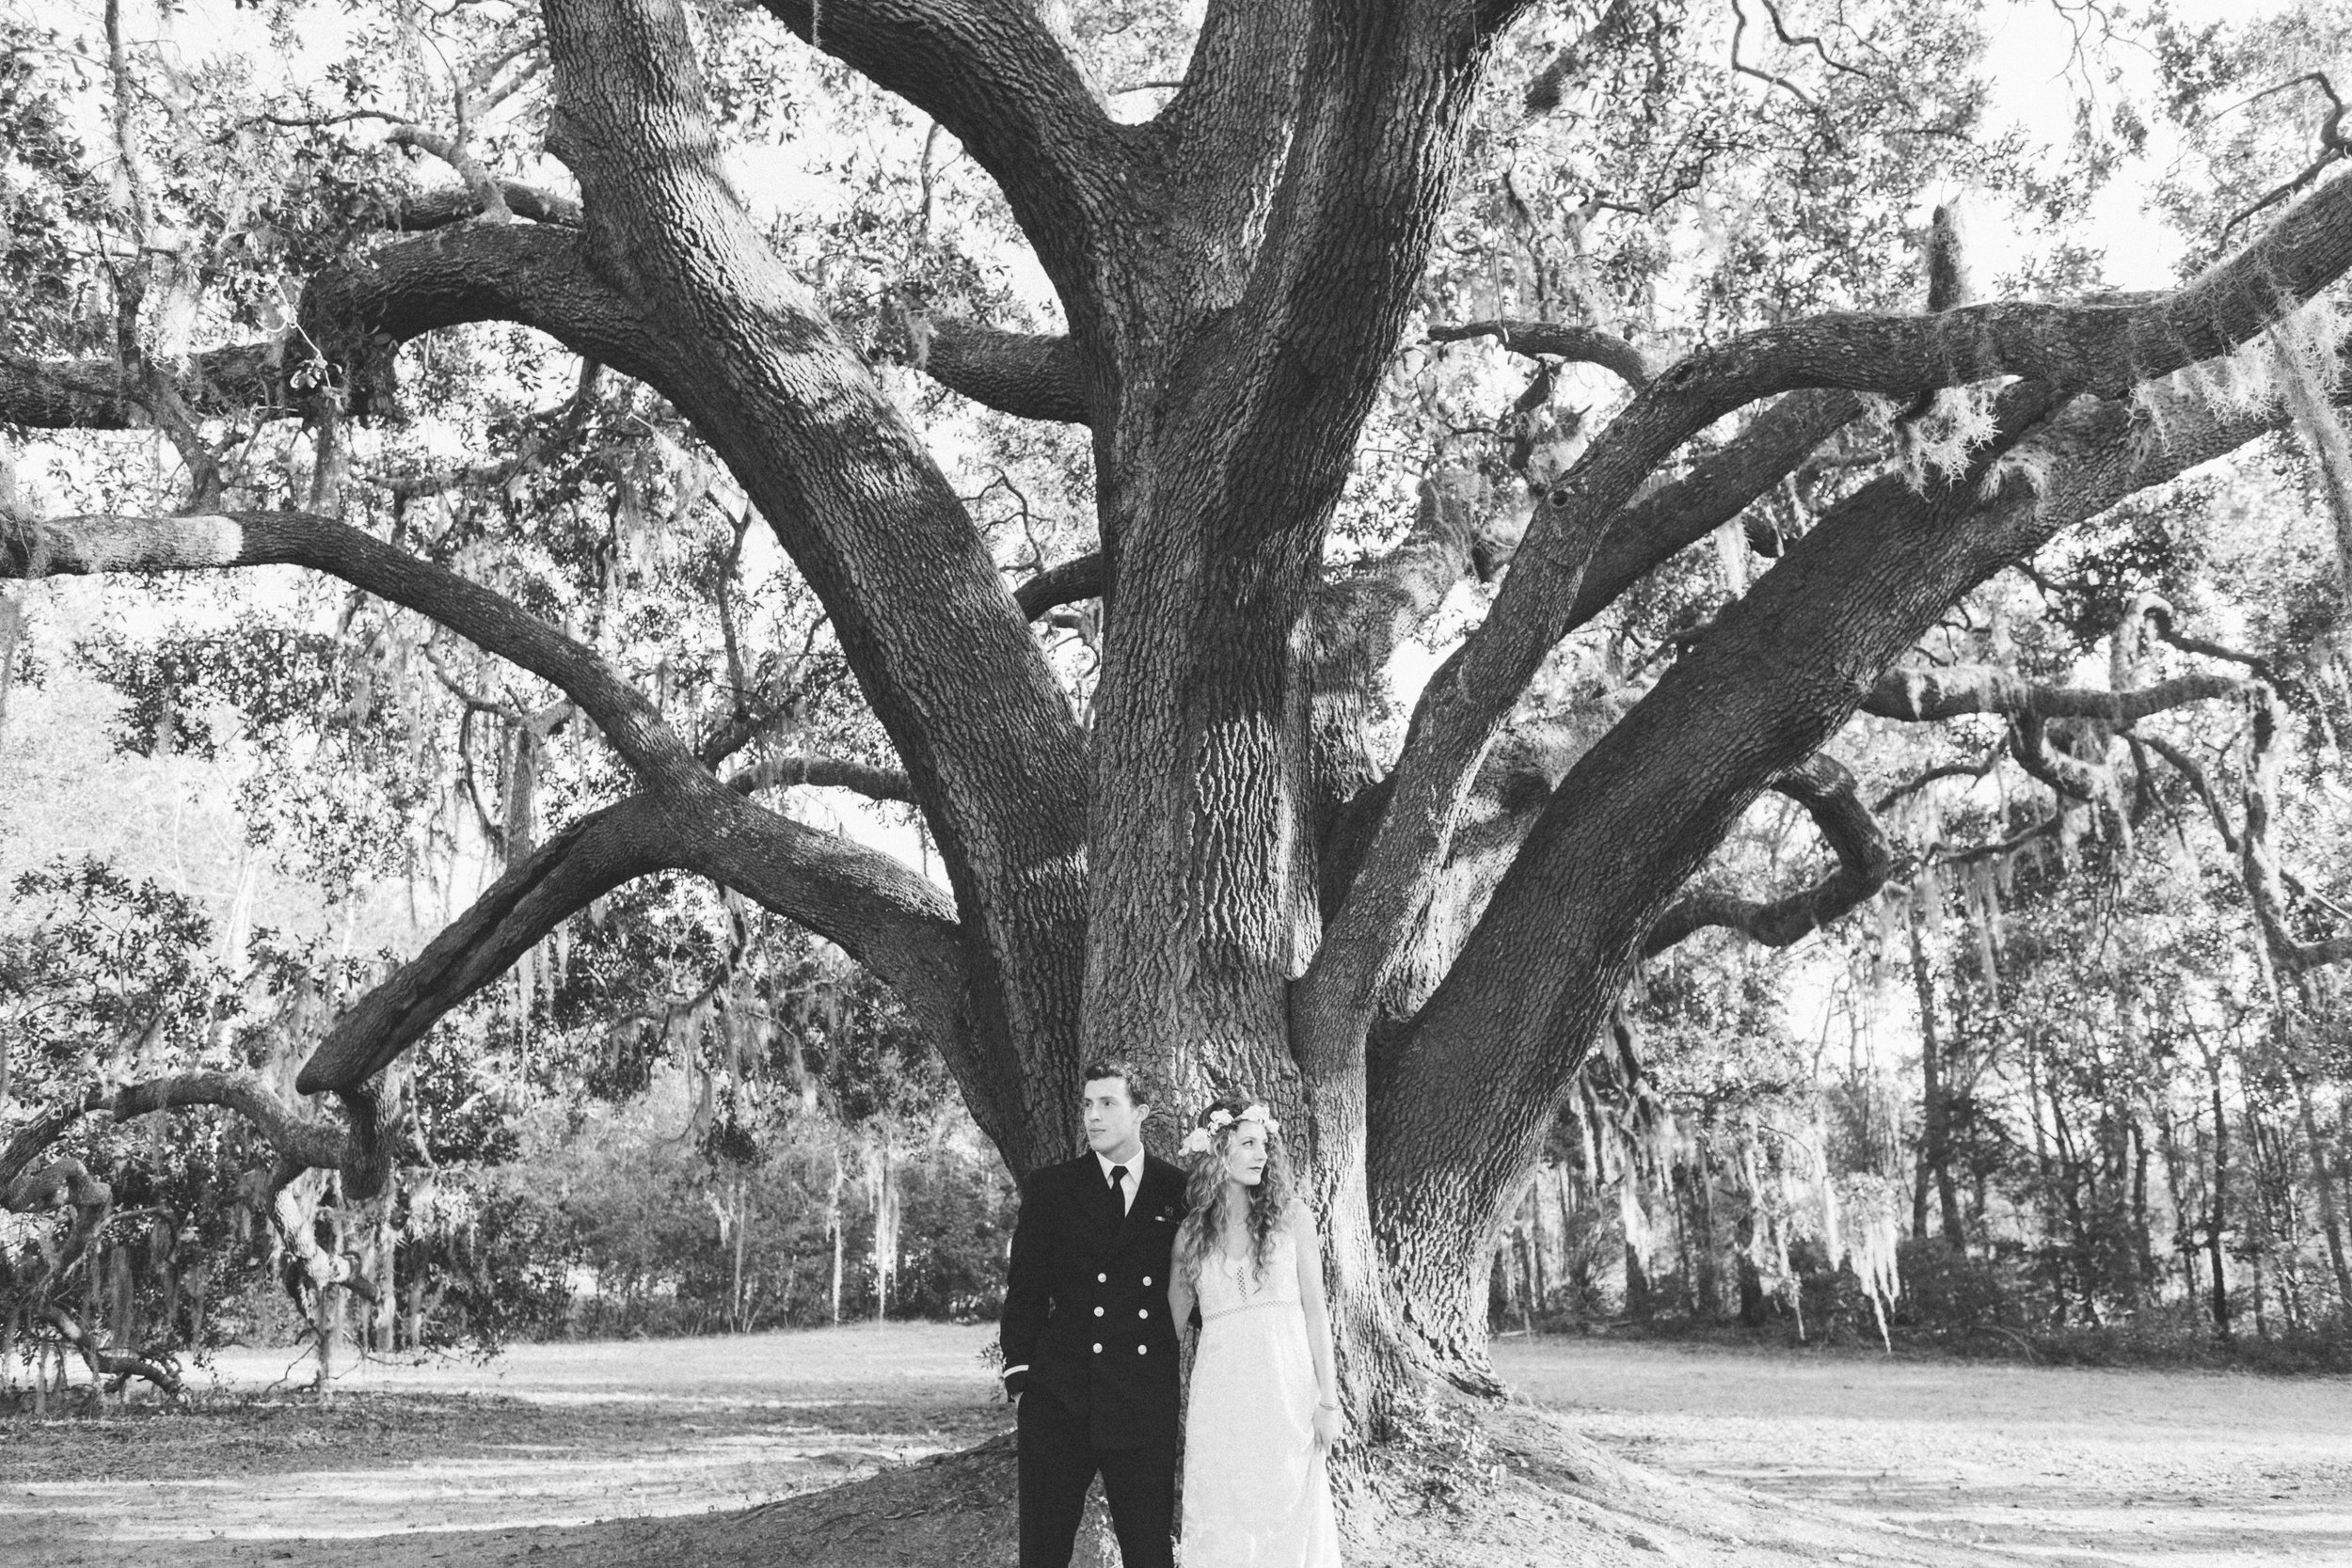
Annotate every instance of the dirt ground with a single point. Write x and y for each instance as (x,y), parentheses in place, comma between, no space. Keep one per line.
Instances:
(2173,1469)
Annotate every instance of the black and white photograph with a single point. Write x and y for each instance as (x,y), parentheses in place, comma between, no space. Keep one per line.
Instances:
(1175,783)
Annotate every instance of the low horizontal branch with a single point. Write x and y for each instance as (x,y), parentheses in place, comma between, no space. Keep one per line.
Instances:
(1924,695)
(353,316)
(295,1138)
(1582,346)
(1029,375)
(2102,348)
(104,395)
(863,777)
(109,543)
(1084,577)
(421,211)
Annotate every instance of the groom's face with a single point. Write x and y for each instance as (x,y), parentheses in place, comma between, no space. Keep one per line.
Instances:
(1114,1120)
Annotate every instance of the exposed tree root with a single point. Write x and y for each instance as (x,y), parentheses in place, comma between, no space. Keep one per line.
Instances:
(1515,1483)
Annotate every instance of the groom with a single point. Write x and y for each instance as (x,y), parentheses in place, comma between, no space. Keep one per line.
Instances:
(1090,1351)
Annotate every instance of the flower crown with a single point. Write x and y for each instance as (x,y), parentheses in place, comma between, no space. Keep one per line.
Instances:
(1197,1141)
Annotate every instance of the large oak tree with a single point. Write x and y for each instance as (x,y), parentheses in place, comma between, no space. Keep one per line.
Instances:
(1217,861)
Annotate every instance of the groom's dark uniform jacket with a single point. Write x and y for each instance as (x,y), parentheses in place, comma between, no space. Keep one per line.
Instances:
(1085,1302)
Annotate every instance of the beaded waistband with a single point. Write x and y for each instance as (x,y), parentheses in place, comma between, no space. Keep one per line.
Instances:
(1207,1318)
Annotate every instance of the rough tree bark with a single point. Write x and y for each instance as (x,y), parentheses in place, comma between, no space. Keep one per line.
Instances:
(1221,880)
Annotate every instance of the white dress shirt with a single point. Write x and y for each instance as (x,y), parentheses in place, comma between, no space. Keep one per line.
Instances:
(1127,1183)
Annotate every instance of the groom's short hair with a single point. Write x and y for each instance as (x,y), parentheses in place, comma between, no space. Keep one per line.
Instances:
(1138,1087)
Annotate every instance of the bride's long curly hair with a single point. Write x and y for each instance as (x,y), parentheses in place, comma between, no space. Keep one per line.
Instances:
(1203,1229)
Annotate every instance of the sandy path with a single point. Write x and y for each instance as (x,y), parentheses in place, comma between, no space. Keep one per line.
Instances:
(2165,1469)
(2170,1469)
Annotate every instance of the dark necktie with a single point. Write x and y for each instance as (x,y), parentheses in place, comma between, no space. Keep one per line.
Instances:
(1119,1194)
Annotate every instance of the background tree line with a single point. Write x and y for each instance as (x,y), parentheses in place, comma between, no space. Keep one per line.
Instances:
(2062,1086)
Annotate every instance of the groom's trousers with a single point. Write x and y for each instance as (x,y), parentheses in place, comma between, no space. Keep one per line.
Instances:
(1058,1464)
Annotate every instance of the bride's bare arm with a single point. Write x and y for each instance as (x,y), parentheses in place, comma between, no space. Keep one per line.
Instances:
(1310,1250)
(1180,1297)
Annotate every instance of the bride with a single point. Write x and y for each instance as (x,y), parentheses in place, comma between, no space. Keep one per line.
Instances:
(1264,1399)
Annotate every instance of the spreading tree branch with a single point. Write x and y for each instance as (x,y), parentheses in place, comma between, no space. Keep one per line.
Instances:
(103,394)
(875,783)
(1680,513)
(584,863)
(1582,346)
(421,211)
(1915,695)
(1084,577)
(1785,668)
(1029,375)
(85,545)
(484,188)
(352,318)
(897,923)
(1865,860)
(305,1142)
(2058,349)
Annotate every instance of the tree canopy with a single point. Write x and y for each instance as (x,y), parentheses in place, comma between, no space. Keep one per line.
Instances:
(1056,420)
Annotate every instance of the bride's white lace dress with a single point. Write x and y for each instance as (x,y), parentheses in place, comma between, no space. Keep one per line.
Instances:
(1256,1494)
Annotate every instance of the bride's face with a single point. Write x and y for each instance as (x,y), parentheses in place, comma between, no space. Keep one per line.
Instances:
(1244,1154)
